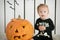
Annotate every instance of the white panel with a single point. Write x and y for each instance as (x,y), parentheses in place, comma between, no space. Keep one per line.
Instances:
(19,8)
(51,5)
(29,11)
(37,3)
(58,17)
(9,11)
(1,16)
(2,37)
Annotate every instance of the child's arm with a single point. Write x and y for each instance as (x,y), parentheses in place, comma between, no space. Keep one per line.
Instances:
(36,26)
(51,26)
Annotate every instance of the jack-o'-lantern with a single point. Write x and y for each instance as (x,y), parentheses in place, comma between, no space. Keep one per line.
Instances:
(19,29)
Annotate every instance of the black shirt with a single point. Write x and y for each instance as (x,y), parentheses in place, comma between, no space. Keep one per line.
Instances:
(48,23)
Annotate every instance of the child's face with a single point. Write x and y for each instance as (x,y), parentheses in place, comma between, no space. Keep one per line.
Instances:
(43,12)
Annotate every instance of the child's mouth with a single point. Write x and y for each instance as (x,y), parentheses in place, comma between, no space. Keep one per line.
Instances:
(42,15)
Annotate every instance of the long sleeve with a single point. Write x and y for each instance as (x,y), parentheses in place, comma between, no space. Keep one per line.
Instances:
(36,27)
(51,26)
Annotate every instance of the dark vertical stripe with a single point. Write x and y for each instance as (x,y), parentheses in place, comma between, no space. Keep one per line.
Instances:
(4,16)
(14,9)
(24,9)
(34,12)
(55,18)
(44,1)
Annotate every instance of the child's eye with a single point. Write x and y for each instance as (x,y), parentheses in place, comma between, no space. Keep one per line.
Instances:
(44,11)
(40,11)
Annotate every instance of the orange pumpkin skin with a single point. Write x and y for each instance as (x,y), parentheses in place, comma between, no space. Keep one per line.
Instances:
(19,29)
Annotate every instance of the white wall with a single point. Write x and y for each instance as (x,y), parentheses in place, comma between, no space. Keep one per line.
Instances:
(58,18)
(29,11)
(9,12)
(2,34)
(19,9)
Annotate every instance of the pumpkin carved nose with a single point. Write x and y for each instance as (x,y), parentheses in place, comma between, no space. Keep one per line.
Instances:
(16,31)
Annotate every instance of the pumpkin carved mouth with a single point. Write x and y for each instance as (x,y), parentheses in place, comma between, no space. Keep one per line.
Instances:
(24,35)
(17,37)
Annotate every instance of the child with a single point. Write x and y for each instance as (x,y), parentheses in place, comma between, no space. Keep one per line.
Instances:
(43,24)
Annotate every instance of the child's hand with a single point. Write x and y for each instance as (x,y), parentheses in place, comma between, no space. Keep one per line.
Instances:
(32,39)
(42,28)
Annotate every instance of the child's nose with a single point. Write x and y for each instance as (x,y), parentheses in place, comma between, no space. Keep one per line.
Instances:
(43,11)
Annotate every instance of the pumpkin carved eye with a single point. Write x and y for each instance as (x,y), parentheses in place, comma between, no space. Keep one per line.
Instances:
(23,26)
(10,27)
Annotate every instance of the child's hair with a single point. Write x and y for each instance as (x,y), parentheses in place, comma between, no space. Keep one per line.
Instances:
(41,6)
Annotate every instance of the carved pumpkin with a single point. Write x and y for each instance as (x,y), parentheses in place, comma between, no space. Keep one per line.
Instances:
(19,29)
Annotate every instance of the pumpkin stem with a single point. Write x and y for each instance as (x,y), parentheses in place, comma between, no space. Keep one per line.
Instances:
(19,16)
